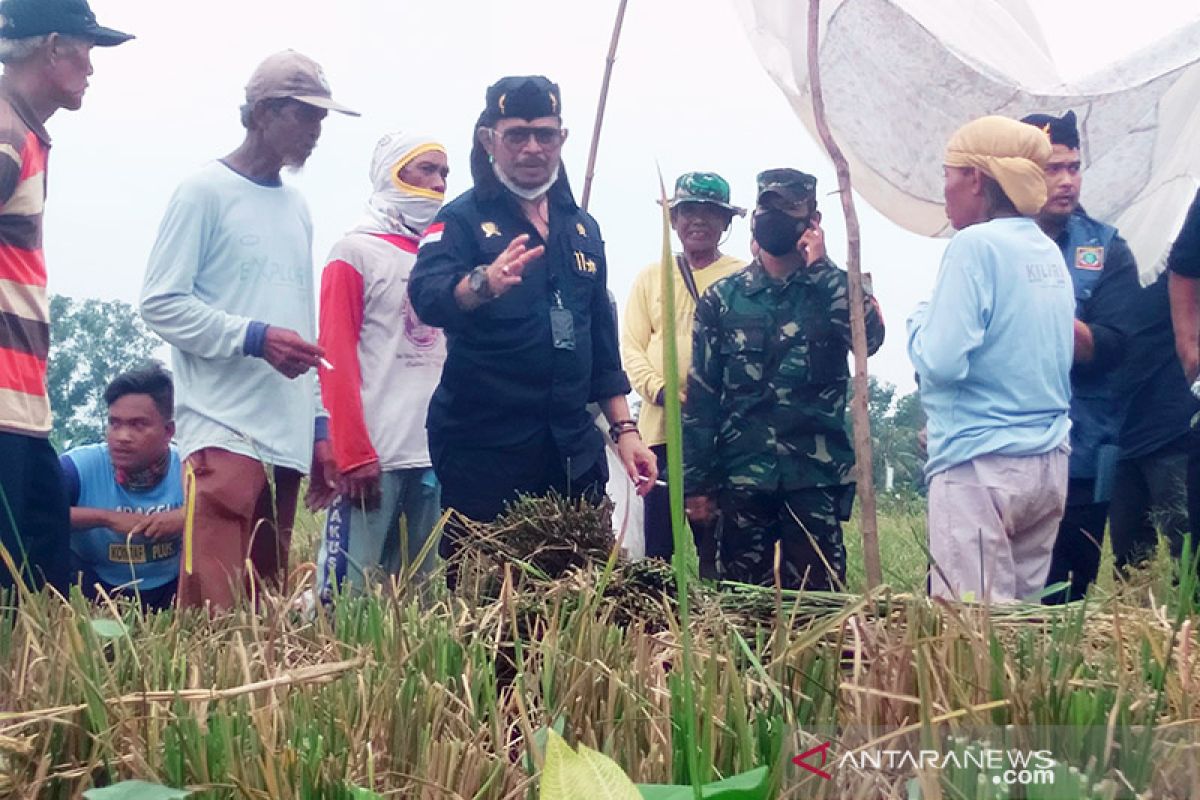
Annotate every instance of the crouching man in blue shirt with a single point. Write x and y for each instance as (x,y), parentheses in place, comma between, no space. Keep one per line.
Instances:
(126,495)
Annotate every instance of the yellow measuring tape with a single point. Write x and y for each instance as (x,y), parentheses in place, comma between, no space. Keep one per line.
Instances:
(189,490)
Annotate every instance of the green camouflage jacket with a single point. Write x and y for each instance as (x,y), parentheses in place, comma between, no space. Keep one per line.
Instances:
(766,395)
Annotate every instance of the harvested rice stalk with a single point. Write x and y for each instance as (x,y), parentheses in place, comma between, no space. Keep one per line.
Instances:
(540,538)
(16,753)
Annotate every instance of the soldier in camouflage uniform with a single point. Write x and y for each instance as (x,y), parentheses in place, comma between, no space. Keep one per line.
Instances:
(764,426)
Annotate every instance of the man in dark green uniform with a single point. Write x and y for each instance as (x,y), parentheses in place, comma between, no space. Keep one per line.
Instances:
(764,432)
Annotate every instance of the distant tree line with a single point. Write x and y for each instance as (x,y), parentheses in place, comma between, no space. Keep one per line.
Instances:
(91,341)
(895,426)
(94,340)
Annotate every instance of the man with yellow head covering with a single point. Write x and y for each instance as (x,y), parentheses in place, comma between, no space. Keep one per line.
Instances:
(385,365)
(993,350)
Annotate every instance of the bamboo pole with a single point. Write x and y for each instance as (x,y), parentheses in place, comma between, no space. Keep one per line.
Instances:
(858,328)
(608,68)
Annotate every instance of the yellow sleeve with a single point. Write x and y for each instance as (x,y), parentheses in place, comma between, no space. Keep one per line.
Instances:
(635,338)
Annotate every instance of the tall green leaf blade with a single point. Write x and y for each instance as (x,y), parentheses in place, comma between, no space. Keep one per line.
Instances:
(684,562)
(685,559)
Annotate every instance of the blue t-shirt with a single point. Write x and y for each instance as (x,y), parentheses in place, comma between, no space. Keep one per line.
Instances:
(116,559)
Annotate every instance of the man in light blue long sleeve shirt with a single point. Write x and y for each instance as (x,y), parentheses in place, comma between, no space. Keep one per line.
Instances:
(993,352)
(989,346)
(230,287)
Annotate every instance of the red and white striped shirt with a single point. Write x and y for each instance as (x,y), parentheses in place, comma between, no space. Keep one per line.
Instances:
(24,303)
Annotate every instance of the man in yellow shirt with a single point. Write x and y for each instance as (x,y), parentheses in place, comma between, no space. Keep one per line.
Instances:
(700,214)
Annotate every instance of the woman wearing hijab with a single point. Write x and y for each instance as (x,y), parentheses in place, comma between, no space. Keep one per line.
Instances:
(993,350)
(384,364)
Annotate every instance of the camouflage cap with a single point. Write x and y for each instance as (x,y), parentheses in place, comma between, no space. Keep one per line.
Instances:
(703,187)
(792,186)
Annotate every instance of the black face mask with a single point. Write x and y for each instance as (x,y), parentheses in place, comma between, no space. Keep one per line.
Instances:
(777,231)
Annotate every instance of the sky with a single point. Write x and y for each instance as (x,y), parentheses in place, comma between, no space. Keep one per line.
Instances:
(688,93)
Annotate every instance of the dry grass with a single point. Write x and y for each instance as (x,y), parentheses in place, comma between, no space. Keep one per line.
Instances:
(421,694)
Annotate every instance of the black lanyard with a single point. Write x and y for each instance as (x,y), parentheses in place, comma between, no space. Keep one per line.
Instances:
(689,280)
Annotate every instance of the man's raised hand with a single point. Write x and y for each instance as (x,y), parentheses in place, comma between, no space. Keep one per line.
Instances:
(505,272)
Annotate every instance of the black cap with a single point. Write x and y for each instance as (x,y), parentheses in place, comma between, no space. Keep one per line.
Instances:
(21,19)
(522,97)
(1061,130)
(793,187)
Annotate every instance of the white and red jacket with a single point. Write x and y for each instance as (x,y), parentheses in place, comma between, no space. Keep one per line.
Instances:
(386,361)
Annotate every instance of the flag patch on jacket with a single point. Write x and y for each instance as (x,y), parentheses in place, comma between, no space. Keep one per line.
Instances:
(433,233)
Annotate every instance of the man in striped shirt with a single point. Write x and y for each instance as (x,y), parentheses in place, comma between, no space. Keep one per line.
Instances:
(45,46)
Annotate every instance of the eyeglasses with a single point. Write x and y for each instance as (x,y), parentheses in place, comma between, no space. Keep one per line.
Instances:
(545,137)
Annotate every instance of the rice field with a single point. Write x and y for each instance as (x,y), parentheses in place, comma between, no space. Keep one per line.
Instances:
(413,692)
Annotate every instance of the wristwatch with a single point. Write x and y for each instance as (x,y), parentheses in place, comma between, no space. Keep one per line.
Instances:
(477,282)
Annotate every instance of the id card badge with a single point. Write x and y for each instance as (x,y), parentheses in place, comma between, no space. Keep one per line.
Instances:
(562,328)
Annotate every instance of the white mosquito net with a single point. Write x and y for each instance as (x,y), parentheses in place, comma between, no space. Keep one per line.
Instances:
(900,76)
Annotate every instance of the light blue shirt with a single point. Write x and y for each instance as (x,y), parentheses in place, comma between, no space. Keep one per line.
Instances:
(993,347)
(231,251)
(115,558)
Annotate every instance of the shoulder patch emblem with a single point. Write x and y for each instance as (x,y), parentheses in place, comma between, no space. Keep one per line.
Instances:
(489,229)
(1091,258)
